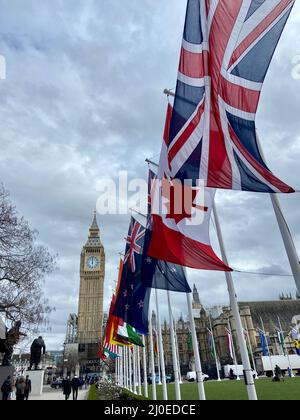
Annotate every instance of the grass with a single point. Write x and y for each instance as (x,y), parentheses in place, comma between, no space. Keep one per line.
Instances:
(93,395)
(236,390)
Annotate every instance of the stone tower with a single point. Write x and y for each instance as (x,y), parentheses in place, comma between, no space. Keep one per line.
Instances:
(196,299)
(92,273)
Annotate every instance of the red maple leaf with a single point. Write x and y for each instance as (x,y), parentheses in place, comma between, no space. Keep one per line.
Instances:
(181,199)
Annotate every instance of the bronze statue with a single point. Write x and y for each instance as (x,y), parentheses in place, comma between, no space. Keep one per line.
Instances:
(7,345)
(36,352)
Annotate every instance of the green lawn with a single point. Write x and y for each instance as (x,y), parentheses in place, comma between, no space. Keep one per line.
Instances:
(236,390)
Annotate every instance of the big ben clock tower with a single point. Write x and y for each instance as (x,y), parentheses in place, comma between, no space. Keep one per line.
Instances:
(90,308)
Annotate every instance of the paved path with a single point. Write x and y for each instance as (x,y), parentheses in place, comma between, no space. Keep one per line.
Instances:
(57,394)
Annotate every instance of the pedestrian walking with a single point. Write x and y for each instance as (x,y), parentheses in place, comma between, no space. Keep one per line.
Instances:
(75,383)
(20,389)
(66,385)
(28,387)
(86,382)
(6,389)
(13,388)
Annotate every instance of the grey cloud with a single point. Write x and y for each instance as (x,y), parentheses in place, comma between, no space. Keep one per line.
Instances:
(83,100)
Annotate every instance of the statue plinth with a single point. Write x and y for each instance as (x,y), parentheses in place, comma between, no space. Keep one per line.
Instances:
(37,380)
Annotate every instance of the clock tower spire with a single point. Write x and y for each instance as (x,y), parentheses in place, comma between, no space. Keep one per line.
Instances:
(90,307)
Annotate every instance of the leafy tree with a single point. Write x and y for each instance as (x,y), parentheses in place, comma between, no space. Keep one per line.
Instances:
(23,267)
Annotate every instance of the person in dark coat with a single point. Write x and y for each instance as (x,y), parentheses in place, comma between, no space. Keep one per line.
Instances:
(27,388)
(36,349)
(66,386)
(20,389)
(278,374)
(75,383)
(6,388)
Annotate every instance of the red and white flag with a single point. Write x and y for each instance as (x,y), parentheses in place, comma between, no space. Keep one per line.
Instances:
(180,218)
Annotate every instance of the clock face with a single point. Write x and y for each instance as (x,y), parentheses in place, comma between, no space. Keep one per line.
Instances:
(92,262)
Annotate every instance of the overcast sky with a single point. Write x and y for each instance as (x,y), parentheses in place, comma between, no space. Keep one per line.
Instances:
(83,100)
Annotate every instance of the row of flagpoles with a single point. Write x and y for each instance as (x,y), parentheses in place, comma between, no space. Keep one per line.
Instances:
(130,363)
(209,134)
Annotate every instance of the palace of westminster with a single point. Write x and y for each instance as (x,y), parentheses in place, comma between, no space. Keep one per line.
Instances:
(85,329)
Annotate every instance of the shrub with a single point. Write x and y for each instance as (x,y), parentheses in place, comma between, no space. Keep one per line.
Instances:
(107,391)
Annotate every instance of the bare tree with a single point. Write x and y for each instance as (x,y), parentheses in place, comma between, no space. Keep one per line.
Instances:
(23,267)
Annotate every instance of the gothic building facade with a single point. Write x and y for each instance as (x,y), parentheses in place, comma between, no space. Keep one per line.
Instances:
(254,315)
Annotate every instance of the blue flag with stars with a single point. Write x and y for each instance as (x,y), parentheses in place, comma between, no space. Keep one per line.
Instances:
(161,274)
(132,303)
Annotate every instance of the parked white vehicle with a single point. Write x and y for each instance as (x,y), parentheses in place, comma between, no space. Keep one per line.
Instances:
(192,377)
(237,371)
(269,363)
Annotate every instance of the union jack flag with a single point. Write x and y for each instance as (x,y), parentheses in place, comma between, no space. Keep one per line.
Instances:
(226,51)
(134,246)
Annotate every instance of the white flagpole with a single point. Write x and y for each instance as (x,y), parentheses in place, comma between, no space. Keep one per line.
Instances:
(125,368)
(198,366)
(161,350)
(267,344)
(233,352)
(252,355)
(177,352)
(134,370)
(145,367)
(285,231)
(214,344)
(130,368)
(127,364)
(174,355)
(121,368)
(139,370)
(251,350)
(235,309)
(285,348)
(152,358)
(117,372)
(157,354)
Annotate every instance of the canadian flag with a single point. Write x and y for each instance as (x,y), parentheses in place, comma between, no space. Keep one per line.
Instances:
(180,217)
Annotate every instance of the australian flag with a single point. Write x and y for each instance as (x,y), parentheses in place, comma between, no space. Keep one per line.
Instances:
(160,274)
(132,304)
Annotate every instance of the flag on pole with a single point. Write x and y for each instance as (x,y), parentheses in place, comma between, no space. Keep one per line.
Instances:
(295,337)
(132,303)
(248,342)
(159,274)
(211,344)
(116,322)
(128,333)
(230,343)
(263,340)
(180,219)
(155,343)
(108,349)
(190,342)
(226,50)
(167,276)
(280,339)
